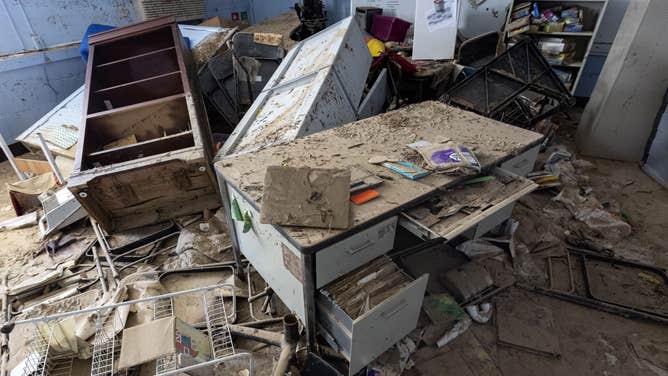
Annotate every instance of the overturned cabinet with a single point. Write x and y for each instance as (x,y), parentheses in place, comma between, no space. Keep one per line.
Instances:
(318,86)
(144,144)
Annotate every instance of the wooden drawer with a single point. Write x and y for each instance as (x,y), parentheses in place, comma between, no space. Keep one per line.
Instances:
(484,205)
(355,251)
(522,164)
(393,306)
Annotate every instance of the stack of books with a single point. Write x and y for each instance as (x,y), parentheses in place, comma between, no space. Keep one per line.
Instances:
(557,51)
(557,19)
(520,19)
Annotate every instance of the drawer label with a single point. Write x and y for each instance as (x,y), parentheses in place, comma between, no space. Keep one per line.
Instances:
(293,263)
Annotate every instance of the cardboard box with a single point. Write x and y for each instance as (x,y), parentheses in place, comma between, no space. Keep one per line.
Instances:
(169,335)
(218,21)
(556,45)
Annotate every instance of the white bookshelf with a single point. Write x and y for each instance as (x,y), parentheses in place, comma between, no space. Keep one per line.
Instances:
(593,13)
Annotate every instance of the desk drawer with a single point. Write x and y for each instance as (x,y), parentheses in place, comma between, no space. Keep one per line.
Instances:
(469,210)
(365,312)
(355,251)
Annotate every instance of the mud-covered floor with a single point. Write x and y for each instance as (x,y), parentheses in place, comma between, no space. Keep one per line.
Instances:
(591,342)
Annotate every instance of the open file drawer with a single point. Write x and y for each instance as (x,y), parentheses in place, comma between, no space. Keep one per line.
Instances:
(368,310)
(469,209)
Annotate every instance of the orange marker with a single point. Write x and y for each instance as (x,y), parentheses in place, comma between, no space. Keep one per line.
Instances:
(364,196)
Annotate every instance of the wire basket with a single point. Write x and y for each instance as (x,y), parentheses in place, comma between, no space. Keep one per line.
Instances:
(53,346)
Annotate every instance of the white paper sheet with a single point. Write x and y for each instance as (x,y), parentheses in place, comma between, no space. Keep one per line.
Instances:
(435,29)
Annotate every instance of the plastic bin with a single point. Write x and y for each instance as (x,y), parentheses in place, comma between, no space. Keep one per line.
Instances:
(389,29)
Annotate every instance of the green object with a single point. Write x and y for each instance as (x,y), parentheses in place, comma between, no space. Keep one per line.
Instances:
(442,308)
(479,179)
(248,223)
(236,212)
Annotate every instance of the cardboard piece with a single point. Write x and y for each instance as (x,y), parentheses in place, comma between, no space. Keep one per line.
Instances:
(23,194)
(435,29)
(34,166)
(303,196)
(123,141)
(169,335)
(218,21)
(270,39)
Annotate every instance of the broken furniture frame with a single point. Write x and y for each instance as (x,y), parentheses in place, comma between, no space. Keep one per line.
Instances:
(592,301)
(298,262)
(510,87)
(49,338)
(231,80)
(269,304)
(124,253)
(144,147)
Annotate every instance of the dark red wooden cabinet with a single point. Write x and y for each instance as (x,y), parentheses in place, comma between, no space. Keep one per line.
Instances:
(145,146)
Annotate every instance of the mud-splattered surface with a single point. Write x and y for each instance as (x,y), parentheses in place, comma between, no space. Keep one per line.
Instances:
(282,24)
(387,135)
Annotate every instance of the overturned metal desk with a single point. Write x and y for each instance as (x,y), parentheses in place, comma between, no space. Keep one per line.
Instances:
(299,262)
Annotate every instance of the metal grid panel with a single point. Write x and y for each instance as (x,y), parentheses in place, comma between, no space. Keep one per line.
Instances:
(36,362)
(216,323)
(104,346)
(61,367)
(164,308)
(499,89)
(109,323)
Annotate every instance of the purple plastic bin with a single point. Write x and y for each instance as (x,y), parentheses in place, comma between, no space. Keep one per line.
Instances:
(389,29)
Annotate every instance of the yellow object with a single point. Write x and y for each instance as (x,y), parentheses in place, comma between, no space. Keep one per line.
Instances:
(375,46)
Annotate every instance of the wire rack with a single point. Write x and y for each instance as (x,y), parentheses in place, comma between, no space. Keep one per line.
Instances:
(52,349)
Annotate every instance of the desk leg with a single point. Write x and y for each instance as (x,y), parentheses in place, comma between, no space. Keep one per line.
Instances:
(309,300)
(227,208)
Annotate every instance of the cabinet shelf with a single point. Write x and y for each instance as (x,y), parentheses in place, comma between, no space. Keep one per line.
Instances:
(592,12)
(563,33)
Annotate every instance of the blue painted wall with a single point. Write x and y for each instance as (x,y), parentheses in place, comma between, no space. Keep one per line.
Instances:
(225,8)
(39,60)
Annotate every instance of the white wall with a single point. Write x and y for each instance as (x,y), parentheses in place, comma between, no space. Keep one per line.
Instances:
(620,116)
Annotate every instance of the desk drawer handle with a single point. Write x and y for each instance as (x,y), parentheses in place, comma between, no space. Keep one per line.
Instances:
(362,247)
(396,309)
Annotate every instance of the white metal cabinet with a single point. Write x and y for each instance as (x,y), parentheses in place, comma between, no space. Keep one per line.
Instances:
(354,251)
(277,261)
(318,86)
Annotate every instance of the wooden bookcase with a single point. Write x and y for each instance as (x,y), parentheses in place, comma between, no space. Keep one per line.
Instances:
(593,11)
(145,146)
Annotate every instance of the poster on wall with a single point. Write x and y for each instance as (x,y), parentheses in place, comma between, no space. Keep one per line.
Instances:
(404,9)
(435,29)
